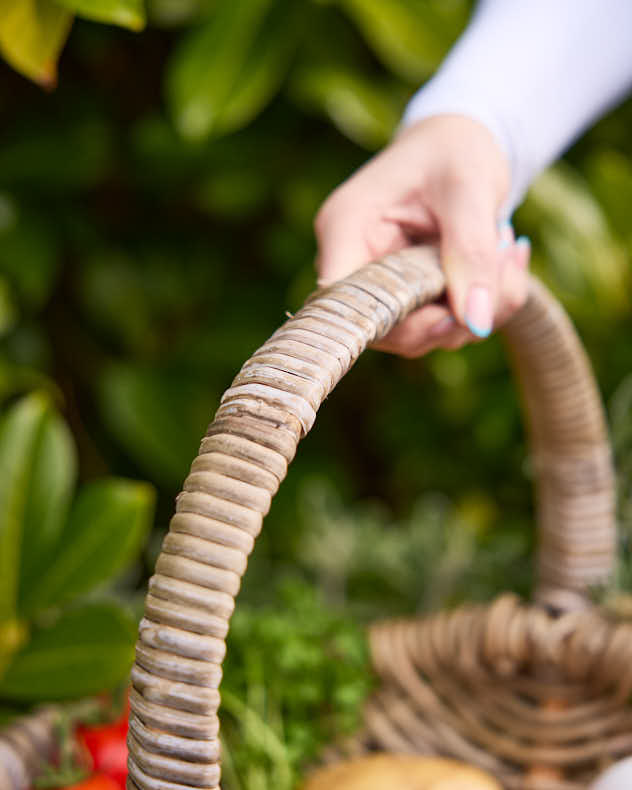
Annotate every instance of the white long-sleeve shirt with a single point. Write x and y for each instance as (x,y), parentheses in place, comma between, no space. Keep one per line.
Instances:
(536,73)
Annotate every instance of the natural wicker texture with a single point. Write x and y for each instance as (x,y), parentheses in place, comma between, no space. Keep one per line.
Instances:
(570,451)
(270,406)
(24,746)
(506,687)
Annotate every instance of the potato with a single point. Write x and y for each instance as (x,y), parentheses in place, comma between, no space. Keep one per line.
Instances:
(400,772)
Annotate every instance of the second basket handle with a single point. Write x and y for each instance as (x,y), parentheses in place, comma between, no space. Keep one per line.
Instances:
(571,452)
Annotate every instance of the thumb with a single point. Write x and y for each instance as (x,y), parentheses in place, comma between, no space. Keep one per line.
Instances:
(471,254)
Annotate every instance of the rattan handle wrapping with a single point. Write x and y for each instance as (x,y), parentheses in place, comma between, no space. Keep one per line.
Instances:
(270,406)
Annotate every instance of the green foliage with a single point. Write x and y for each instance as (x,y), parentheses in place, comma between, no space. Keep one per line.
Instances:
(296,679)
(48,490)
(104,532)
(436,556)
(409,36)
(584,259)
(32,34)
(27,237)
(69,155)
(51,553)
(19,444)
(126,13)
(223,74)
(82,652)
(144,424)
(364,111)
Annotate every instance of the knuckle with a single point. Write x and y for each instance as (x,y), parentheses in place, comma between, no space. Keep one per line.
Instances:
(321,221)
(479,252)
(459,180)
(380,237)
(516,301)
(326,214)
(513,302)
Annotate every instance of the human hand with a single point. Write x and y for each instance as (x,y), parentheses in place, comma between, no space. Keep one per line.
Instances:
(443,179)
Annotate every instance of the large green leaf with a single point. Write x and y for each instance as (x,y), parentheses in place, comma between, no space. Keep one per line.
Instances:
(266,65)
(158,416)
(362,109)
(410,36)
(32,34)
(126,13)
(20,433)
(85,651)
(226,72)
(106,527)
(52,481)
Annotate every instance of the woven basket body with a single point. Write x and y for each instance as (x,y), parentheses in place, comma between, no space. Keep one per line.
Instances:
(535,694)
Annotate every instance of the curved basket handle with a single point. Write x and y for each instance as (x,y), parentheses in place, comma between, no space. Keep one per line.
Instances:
(570,448)
(272,403)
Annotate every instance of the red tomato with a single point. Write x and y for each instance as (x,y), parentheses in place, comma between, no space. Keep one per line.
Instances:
(107,746)
(96,782)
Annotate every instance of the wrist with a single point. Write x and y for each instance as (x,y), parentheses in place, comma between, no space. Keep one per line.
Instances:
(424,107)
(464,147)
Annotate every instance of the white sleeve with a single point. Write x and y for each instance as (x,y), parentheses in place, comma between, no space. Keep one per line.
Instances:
(536,73)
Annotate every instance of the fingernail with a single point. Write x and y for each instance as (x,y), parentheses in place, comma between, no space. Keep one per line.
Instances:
(441,327)
(523,241)
(478,311)
(506,234)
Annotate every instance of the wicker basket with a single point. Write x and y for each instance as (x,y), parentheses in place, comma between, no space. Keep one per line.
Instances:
(535,694)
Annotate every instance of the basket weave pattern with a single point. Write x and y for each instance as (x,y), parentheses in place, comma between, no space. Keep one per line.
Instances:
(477,683)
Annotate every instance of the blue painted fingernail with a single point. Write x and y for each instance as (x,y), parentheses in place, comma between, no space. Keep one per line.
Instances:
(505,234)
(477,330)
(523,241)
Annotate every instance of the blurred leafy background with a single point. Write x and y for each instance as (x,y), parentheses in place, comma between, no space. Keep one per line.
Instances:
(156,216)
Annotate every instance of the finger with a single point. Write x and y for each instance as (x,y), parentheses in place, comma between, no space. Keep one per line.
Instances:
(514,286)
(514,281)
(523,246)
(454,340)
(434,327)
(448,335)
(506,235)
(471,255)
(416,331)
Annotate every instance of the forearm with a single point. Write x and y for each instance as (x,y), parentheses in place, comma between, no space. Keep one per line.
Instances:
(536,73)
